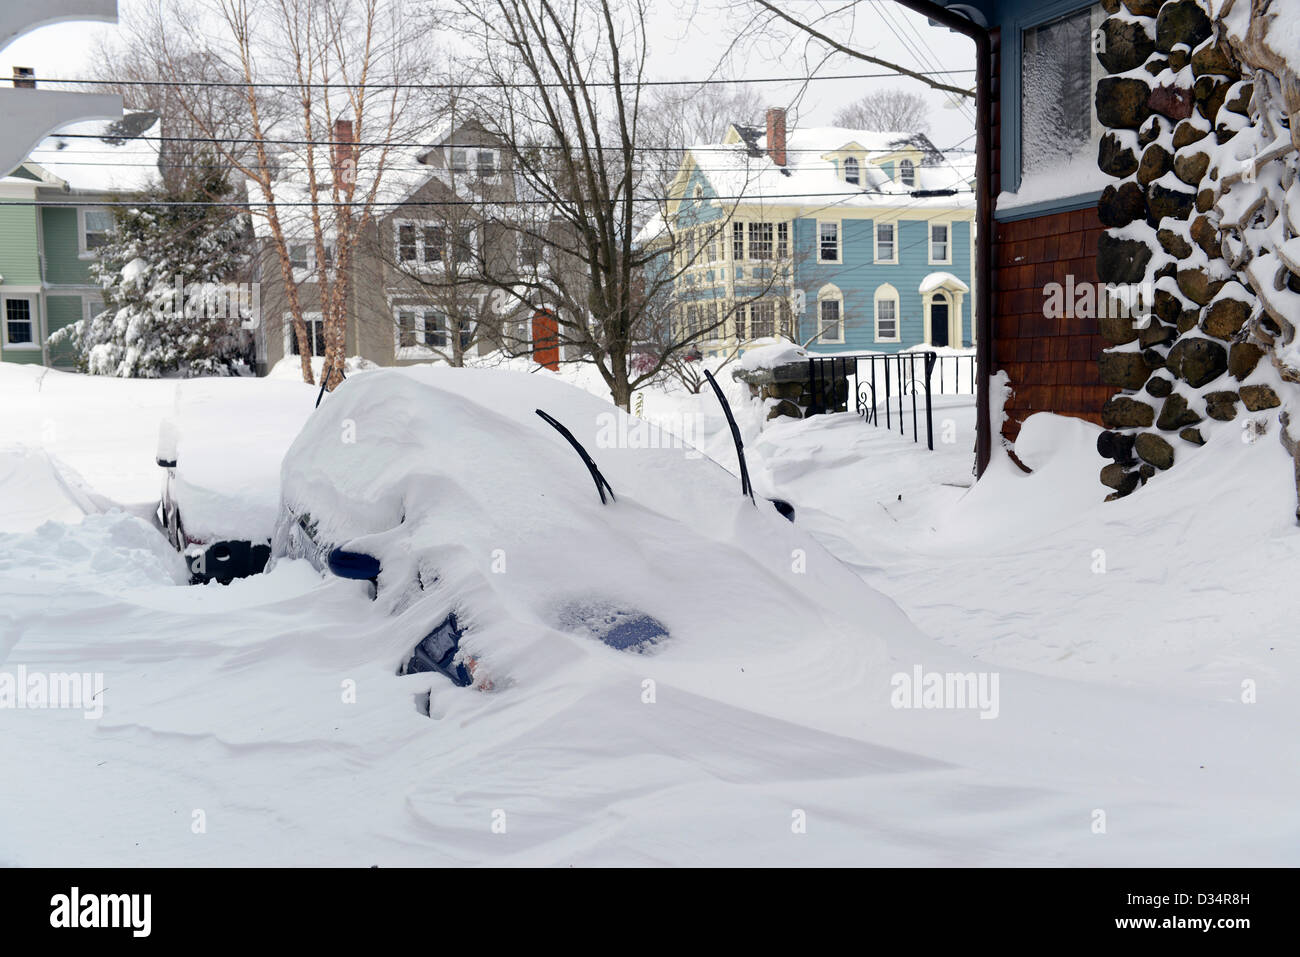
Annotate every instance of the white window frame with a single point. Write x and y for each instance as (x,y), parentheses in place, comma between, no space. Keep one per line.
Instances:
(875,230)
(887,293)
(857,171)
(929,230)
(422,349)
(839,241)
(307,317)
(830,293)
(33,297)
(420,263)
(912,166)
(84,251)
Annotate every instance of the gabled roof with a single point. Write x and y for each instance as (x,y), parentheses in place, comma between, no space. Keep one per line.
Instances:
(741,167)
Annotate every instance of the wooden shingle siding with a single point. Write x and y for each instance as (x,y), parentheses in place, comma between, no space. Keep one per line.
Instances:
(1052,363)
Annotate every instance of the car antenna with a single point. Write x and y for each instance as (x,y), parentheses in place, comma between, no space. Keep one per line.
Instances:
(601,484)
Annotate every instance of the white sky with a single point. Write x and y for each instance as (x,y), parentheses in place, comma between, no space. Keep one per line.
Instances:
(689,41)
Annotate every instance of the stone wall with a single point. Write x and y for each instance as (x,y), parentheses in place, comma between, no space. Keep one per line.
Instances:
(1178,94)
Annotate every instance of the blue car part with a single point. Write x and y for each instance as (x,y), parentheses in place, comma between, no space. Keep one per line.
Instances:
(437,652)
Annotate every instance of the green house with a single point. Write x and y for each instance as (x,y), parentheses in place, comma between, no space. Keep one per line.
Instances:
(53,219)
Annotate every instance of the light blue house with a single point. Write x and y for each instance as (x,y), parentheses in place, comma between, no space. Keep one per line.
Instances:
(846,240)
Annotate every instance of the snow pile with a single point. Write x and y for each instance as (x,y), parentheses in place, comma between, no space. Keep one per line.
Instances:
(778,353)
(36,487)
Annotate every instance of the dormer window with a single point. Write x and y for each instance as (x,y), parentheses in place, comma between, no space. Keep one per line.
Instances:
(907,172)
(699,192)
(852,174)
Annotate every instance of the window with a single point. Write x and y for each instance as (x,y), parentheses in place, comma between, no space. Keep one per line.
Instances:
(737,241)
(760,240)
(315,335)
(940,248)
(419,329)
(886,251)
(699,192)
(20,322)
(487,163)
(298,256)
(692,321)
(530,251)
(466,333)
(851,171)
(710,247)
(435,240)
(1058,74)
(782,240)
(887,314)
(830,315)
(828,242)
(907,172)
(459,161)
(762,319)
(406,247)
(96,224)
(462,247)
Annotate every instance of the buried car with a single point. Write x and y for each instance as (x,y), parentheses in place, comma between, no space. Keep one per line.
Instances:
(465,499)
(221,450)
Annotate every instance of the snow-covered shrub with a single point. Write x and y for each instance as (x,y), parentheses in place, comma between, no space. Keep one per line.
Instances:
(168,271)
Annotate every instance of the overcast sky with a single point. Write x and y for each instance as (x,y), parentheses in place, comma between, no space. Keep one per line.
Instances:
(690,39)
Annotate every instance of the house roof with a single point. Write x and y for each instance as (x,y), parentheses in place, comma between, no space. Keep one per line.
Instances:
(100,157)
(741,167)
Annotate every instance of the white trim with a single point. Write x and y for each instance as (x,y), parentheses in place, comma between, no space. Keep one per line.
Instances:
(875,241)
(307,317)
(33,297)
(898,169)
(929,232)
(84,251)
(952,299)
(839,242)
(830,293)
(422,349)
(887,293)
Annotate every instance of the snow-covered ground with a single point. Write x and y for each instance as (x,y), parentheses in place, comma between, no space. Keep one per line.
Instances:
(263,722)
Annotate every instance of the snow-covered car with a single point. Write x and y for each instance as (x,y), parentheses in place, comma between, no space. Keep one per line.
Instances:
(480,529)
(221,450)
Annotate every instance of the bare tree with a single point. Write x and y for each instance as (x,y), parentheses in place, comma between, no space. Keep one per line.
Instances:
(887,110)
(321,103)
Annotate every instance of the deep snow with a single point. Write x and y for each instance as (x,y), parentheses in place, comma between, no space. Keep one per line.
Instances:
(270,711)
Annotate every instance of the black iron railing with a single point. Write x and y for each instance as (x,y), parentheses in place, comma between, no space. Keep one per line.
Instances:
(889,389)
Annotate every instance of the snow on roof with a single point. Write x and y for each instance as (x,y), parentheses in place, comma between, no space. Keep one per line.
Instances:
(89,159)
(942,280)
(810,176)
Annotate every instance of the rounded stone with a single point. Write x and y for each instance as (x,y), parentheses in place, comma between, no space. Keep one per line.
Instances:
(1205,235)
(1121,260)
(1213,59)
(1181,22)
(1121,205)
(1127,370)
(1122,412)
(1258,397)
(1154,450)
(1159,386)
(1122,102)
(1175,414)
(1114,158)
(1119,478)
(1242,359)
(1126,45)
(1116,330)
(1198,361)
(1191,167)
(1197,286)
(1115,445)
(1186,133)
(1221,405)
(1224,317)
(1192,435)
(1172,203)
(1155,162)
(1173,244)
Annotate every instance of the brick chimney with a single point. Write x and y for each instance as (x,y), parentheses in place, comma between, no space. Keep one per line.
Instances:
(344,153)
(776,135)
(24,78)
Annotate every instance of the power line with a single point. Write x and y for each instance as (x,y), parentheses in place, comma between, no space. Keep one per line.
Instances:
(394,144)
(296,85)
